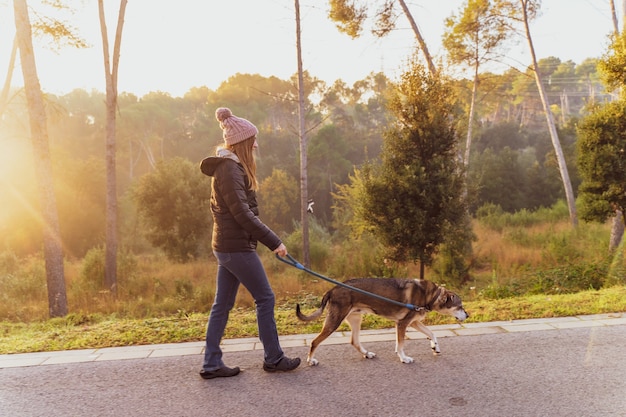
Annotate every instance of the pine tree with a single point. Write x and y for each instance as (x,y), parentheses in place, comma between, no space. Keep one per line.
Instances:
(413,197)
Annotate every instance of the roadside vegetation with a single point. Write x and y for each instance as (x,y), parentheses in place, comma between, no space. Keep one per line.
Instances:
(523,265)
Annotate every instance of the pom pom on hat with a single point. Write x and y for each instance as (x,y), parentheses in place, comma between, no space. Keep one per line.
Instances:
(223,113)
(236,129)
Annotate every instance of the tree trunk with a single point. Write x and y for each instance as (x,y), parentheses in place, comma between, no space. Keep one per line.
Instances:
(111,70)
(569,192)
(4,97)
(52,246)
(420,38)
(468,140)
(617,230)
(303,147)
(617,225)
(614,16)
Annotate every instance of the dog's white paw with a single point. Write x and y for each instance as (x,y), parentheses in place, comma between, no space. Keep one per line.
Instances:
(369,355)
(406,359)
(312,362)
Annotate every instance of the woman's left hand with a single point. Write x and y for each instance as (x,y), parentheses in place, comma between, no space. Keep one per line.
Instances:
(281,250)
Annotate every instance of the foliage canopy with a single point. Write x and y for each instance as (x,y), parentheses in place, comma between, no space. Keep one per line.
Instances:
(173,202)
(414,195)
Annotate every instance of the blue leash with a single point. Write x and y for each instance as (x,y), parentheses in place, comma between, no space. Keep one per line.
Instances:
(298,265)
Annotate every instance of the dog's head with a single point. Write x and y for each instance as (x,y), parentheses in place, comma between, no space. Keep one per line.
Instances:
(450,303)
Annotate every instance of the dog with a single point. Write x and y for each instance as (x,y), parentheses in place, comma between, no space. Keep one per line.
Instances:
(345,304)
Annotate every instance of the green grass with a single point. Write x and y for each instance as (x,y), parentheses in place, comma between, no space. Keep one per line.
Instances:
(78,331)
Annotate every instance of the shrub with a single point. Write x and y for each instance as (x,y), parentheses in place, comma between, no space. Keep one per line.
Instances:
(8,263)
(92,273)
(24,292)
(319,244)
(569,278)
(363,257)
(495,218)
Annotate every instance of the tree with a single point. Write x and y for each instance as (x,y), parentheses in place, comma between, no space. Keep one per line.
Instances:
(329,165)
(349,17)
(601,155)
(304,194)
(529,10)
(52,246)
(617,227)
(278,197)
(474,40)
(414,196)
(4,95)
(60,33)
(174,204)
(111,64)
(602,161)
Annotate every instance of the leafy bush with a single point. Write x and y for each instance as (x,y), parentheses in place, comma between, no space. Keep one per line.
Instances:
(173,202)
(362,257)
(8,263)
(494,217)
(92,272)
(569,279)
(23,290)
(319,243)
(497,291)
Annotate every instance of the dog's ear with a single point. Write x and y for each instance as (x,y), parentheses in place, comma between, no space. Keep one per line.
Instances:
(443,297)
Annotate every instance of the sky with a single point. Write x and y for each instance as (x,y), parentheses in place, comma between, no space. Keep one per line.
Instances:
(174,46)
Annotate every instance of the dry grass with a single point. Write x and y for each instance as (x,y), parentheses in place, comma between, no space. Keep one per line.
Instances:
(151,286)
(495,250)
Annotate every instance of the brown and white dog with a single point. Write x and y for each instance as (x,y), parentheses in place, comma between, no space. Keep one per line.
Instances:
(345,304)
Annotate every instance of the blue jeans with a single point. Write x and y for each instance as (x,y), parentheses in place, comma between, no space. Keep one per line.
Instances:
(234,269)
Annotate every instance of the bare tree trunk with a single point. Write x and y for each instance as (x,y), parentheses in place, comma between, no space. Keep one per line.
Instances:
(4,97)
(468,140)
(111,70)
(614,16)
(303,147)
(52,246)
(617,230)
(420,38)
(569,192)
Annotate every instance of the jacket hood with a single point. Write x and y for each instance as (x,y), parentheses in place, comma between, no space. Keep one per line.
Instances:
(209,165)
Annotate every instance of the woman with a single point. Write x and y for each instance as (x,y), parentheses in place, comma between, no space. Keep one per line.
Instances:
(236,230)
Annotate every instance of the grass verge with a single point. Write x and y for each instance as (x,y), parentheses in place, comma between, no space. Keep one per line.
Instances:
(77,331)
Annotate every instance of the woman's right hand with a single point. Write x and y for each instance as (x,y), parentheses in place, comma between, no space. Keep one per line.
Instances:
(281,250)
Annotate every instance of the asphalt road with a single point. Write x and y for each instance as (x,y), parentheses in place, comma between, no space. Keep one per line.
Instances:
(566,372)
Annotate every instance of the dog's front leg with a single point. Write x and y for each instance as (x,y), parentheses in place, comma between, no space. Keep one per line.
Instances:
(354,320)
(400,333)
(434,344)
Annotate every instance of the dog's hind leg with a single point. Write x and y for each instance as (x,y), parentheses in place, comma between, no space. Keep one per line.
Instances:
(332,322)
(354,320)
(421,327)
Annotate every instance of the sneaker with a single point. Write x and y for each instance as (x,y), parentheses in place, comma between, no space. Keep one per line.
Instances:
(220,373)
(283,365)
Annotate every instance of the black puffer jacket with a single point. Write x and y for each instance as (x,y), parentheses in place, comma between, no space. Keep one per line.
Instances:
(236,225)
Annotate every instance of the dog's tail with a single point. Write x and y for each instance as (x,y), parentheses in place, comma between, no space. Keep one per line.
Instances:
(316,313)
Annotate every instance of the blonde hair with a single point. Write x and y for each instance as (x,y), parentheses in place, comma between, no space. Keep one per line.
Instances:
(245,152)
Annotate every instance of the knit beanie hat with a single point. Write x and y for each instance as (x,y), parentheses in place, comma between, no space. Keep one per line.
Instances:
(236,129)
